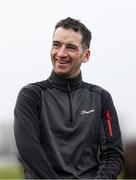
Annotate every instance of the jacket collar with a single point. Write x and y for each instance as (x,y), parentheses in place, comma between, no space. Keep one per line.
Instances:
(63,83)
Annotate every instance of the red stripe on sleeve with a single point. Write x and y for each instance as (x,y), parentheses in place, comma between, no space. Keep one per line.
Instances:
(108,118)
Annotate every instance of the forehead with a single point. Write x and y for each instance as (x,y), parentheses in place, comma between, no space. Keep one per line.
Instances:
(67,36)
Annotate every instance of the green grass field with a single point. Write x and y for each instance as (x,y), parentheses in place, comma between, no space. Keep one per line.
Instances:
(16,172)
(11,172)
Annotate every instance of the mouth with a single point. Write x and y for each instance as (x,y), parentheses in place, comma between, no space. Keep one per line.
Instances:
(63,61)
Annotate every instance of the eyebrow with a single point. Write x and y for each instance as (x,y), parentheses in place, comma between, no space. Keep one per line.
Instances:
(67,44)
(56,41)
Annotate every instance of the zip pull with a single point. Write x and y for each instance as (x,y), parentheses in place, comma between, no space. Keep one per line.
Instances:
(108,118)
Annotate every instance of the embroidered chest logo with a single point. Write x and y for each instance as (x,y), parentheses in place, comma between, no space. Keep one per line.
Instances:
(87,112)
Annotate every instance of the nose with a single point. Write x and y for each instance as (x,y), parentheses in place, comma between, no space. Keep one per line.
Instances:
(62,52)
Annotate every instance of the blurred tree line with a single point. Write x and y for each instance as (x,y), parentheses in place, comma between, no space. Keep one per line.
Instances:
(7,141)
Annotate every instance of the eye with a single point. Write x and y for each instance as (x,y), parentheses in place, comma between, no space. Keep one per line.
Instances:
(55,44)
(72,48)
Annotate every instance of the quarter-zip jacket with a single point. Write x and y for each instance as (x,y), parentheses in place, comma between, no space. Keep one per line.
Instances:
(67,129)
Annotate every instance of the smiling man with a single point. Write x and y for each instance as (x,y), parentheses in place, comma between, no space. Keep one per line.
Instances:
(66,128)
(67,52)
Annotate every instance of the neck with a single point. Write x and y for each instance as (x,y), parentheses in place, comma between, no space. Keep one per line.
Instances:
(65,76)
(61,82)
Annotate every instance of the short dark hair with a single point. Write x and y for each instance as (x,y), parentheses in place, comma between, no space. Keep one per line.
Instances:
(77,26)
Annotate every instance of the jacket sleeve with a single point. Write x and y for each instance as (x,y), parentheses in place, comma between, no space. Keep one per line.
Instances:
(27,134)
(111,149)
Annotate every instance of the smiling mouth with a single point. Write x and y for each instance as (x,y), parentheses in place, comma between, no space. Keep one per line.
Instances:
(62,61)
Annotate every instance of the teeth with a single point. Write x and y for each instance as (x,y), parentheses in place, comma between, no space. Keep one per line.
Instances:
(62,62)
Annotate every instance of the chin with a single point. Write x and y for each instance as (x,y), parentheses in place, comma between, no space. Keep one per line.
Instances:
(62,73)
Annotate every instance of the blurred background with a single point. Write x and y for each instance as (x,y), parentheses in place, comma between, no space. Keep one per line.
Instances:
(26,28)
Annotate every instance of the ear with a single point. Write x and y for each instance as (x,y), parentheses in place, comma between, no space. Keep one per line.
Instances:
(86,55)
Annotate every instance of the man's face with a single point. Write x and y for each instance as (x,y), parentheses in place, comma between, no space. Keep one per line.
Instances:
(67,52)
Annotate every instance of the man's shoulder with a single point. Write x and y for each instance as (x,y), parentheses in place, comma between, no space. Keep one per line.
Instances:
(39,85)
(34,89)
(94,87)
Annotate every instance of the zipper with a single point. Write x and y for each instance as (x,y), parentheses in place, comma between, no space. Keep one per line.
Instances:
(108,118)
(70,105)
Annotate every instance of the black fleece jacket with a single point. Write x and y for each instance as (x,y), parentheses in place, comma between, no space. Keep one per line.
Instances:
(67,129)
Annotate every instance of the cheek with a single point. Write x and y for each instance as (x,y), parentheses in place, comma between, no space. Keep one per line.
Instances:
(76,63)
(52,52)
(78,59)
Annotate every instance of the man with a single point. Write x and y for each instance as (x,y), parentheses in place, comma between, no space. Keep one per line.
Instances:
(66,128)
